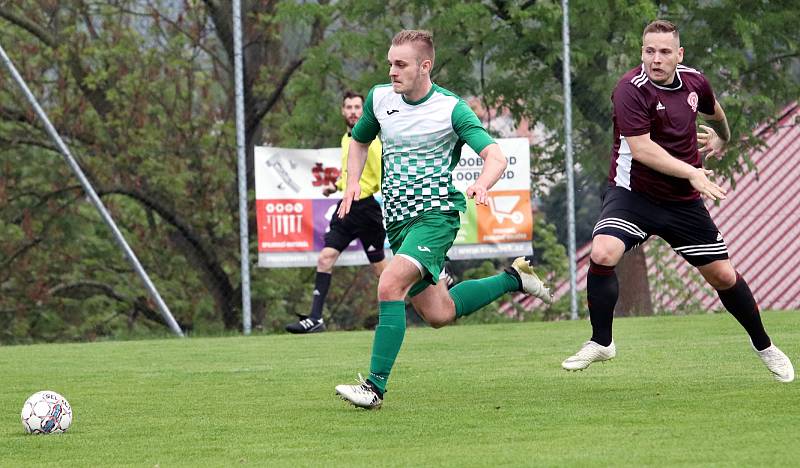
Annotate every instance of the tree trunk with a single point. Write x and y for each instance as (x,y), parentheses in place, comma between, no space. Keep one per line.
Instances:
(634,286)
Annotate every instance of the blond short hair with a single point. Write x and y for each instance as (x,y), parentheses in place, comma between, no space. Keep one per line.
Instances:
(422,40)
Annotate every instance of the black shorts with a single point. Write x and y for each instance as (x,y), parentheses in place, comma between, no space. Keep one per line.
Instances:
(686,226)
(365,222)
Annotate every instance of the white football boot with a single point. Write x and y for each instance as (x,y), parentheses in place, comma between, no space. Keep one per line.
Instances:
(777,363)
(531,283)
(361,395)
(590,352)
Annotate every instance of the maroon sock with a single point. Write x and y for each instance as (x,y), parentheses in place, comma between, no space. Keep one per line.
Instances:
(602,291)
(741,304)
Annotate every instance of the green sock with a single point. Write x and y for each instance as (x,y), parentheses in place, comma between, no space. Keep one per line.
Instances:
(388,339)
(471,295)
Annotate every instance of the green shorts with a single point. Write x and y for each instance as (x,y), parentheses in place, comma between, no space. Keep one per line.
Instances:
(425,240)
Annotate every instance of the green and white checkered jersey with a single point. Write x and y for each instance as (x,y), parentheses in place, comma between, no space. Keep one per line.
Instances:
(422,143)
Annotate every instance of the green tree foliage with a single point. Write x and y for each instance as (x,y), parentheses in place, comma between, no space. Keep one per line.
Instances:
(142,92)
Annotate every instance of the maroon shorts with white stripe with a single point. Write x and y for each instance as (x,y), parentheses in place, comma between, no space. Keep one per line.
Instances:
(686,226)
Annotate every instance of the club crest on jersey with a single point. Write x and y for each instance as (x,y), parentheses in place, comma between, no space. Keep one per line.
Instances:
(692,100)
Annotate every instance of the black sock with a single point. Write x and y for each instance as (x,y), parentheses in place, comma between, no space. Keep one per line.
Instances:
(321,284)
(741,304)
(602,291)
(375,388)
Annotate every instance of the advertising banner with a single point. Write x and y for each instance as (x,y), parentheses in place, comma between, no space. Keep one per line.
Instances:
(293,215)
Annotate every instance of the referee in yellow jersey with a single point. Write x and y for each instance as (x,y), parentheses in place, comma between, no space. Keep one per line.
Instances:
(365,220)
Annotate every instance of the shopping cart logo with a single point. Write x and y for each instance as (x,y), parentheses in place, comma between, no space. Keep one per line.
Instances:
(279,167)
(503,207)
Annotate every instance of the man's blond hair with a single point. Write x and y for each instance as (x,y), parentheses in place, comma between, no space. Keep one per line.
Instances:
(422,40)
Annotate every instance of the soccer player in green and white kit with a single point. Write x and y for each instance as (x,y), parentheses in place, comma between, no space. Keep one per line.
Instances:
(423,128)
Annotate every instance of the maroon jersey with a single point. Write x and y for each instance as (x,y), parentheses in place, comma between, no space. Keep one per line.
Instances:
(669,115)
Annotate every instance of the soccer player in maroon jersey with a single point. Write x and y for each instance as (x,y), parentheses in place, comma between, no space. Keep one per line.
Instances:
(656,182)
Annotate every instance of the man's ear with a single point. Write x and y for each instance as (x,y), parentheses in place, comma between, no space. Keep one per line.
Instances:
(426,66)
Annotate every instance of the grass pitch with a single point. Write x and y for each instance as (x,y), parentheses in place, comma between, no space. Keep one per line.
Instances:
(682,391)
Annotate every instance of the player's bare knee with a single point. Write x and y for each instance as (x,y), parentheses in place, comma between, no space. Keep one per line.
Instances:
(326,260)
(324,265)
(722,280)
(607,250)
(390,288)
(719,274)
(606,253)
(604,257)
(385,290)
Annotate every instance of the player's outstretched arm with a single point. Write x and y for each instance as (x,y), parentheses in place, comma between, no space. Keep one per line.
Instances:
(356,158)
(716,135)
(494,164)
(652,155)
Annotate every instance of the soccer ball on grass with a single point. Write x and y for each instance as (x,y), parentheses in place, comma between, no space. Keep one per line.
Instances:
(46,412)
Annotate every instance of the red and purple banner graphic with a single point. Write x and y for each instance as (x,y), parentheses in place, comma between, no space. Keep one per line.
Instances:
(293,215)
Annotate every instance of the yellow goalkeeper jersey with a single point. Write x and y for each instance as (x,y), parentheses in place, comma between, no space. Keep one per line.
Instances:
(371,177)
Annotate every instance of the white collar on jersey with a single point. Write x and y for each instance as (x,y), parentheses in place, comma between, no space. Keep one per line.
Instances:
(642,78)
